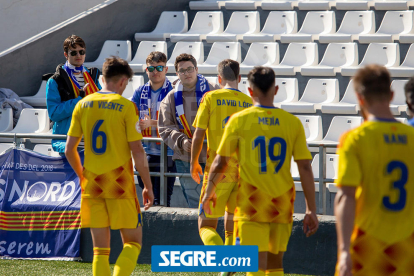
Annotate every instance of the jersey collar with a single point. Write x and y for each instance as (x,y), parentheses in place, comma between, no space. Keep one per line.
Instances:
(264,106)
(378,119)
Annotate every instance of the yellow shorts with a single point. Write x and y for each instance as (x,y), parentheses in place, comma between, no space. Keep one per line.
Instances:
(373,257)
(226,190)
(105,212)
(270,237)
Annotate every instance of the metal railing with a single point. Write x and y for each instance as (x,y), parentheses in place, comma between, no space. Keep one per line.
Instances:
(19,138)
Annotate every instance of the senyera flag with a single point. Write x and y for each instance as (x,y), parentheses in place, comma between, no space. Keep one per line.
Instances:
(39,207)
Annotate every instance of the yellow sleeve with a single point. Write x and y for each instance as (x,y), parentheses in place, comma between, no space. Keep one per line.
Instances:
(75,128)
(300,148)
(230,140)
(133,132)
(349,167)
(203,113)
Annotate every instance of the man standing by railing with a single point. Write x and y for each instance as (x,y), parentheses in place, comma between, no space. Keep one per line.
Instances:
(148,99)
(177,113)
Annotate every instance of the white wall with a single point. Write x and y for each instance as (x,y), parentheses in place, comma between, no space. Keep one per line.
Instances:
(22,19)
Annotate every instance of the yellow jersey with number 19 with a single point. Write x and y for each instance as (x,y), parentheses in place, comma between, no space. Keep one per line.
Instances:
(265,139)
(108,122)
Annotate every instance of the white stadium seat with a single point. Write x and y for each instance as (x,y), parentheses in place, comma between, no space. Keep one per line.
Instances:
(136,82)
(337,55)
(6,119)
(317,92)
(297,55)
(138,64)
(339,125)
(331,166)
(402,120)
(196,49)
(277,23)
(312,126)
(46,150)
(220,51)
(315,24)
(393,25)
(391,4)
(355,23)
(282,5)
(204,23)
(118,48)
(406,69)
(243,84)
(294,168)
(172,78)
(260,54)
(32,121)
(348,104)
(212,80)
(240,24)
(242,4)
(39,99)
(206,5)
(288,91)
(348,5)
(385,54)
(315,5)
(170,22)
(398,103)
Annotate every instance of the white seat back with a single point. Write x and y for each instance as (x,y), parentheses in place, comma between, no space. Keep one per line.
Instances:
(320,91)
(341,124)
(243,84)
(340,54)
(6,119)
(281,22)
(402,120)
(32,121)
(399,95)
(385,54)
(207,23)
(224,50)
(331,166)
(312,126)
(172,22)
(409,58)
(146,47)
(118,48)
(196,49)
(396,22)
(294,168)
(243,23)
(262,53)
(350,96)
(136,82)
(301,54)
(288,90)
(319,23)
(46,150)
(358,22)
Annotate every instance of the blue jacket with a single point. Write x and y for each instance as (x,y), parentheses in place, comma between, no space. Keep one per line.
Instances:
(60,112)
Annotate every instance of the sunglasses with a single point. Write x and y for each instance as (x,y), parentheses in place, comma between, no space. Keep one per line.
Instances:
(74,53)
(159,68)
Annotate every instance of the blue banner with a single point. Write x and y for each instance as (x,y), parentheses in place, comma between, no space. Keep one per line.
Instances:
(200,258)
(39,207)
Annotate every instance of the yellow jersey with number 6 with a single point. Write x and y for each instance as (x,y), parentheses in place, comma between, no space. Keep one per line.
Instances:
(378,159)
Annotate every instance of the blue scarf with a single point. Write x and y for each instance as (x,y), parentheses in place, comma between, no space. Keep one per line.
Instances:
(145,99)
(70,69)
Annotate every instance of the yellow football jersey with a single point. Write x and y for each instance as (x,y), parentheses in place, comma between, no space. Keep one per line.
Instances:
(215,110)
(265,138)
(108,122)
(377,158)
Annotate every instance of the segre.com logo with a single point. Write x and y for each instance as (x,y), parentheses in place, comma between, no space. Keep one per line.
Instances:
(200,258)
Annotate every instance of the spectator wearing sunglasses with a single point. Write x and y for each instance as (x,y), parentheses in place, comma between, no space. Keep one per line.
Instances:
(148,98)
(67,86)
(175,123)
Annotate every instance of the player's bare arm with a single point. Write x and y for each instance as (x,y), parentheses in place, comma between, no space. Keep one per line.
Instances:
(345,216)
(141,165)
(216,174)
(196,148)
(72,155)
(310,222)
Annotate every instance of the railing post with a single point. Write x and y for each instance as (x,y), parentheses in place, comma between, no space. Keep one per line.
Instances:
(322,177)
(163,178)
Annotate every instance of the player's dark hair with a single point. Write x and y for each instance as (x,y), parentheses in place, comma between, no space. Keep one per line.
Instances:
(229,69)
(373,82)
(185,57)
(262,78)
(409,92)
(114,68)
(155,57)
(72,41)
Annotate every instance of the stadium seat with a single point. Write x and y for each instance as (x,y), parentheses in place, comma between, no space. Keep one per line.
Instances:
(220,51)
(118,48)
(393,24)
(355,23)
(136,82)
(206,5)
(277,23)
(288,91)
(170,22)
(348,104)
(315,24)
(315,5)
(391,4)
(282,5)
(294,168)
(317,91)
(297,55)
(6,119)
(39,99)
(240,24)
(46,150)
(242,4)
(337,55)
(385,54)
(212,80)
(398,103)
(339,125)
(331,166)
(196,49)
(406,69)
(312,126)
(204,23)
(138,64)
(260,54)
(348,5)
(243,84)
(172,78)
(402,120)
(32,121)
